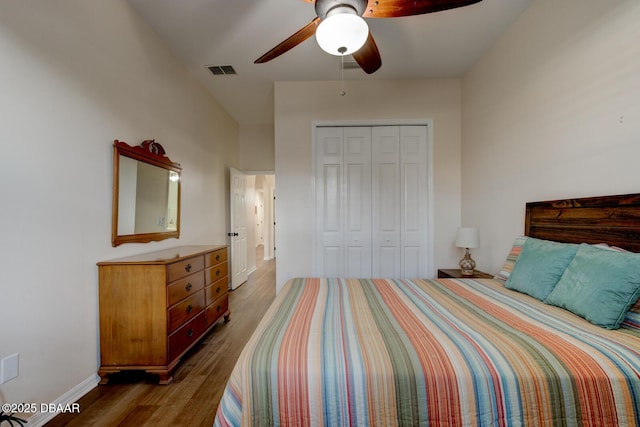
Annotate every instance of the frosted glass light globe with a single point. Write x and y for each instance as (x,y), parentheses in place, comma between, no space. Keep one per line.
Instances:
(342,33)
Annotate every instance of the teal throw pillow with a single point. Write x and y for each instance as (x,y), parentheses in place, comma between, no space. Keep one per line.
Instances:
(600,285)
(540,266)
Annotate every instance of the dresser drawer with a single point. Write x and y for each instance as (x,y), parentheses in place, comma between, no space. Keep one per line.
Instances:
(216,273)
(180,269)
(181,339)
(215,257)
(215,291)
(184,287)
(185,310)
(217,309)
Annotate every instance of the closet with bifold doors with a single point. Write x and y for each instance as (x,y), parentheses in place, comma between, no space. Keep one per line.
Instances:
(371,201)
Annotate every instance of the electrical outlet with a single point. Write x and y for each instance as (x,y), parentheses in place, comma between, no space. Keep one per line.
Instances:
(9,368)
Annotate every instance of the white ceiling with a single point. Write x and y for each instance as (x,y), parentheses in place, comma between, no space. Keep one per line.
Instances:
(237,32)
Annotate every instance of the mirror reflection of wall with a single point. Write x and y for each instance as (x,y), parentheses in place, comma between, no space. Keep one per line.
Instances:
(127,195)
(172,202)
(147,199)
(151,199)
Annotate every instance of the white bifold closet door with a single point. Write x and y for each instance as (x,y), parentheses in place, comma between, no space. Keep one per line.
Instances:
(371,201)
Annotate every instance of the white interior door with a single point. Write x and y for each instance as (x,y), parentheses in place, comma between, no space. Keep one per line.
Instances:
(343,201)
(238,236)
(259,217)
(385,211)
(413,201)
(329,201)
(357,201)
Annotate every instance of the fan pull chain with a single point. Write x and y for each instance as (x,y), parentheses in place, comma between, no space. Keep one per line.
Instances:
(342,50)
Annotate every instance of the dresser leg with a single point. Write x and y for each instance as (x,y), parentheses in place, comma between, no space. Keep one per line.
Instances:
(104,378)
(227,317)
(165,378)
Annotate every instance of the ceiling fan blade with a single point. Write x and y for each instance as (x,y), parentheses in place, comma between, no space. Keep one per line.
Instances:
(293,41)
(368,56)
(397,8)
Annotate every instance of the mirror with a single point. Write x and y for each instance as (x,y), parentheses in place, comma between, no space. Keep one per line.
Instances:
(146,194)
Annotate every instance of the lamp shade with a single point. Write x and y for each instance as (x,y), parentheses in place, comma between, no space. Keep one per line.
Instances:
(342,33)
(467,237)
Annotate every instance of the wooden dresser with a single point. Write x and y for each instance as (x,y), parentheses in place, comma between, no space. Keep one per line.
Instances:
(156,306)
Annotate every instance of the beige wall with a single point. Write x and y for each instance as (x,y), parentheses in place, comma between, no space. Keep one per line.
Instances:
(298,104)
(552,111)
(76,75)
(257,148)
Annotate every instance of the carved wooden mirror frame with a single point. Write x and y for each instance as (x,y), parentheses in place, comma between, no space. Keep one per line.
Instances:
(150,153)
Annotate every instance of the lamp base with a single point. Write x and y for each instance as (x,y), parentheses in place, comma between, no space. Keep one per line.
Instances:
(467,264)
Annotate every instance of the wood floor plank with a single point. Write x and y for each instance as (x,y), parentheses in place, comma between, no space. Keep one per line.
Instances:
(135,399)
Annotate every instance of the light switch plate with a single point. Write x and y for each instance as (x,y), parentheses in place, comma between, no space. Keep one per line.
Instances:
(9,368)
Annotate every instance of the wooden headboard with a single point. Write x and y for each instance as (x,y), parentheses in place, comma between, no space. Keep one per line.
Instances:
(608,219)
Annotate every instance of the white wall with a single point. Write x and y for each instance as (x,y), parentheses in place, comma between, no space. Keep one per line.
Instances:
(552,111)
(257,148)
(76,75)
(298,104)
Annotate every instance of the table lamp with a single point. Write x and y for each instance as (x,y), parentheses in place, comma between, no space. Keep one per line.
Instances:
(467,237)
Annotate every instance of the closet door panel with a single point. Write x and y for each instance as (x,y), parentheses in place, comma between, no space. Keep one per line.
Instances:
(386,264)
(386,208)
(332,257)
(331,216)
(412,262)
(357,205)
(413,153)
(329,204)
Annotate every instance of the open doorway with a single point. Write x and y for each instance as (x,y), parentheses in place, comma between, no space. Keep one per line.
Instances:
(263,214)
(252,222)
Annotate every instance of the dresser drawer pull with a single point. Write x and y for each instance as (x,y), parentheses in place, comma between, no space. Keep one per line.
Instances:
(188,268)
(218,257)
(190,332)
(189,308)
(218,308)
(217,272)
(188,287)
(218,290)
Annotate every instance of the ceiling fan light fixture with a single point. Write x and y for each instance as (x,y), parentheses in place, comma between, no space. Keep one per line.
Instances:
(342,32)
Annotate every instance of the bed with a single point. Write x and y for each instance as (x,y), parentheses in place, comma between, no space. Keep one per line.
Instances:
(552,339)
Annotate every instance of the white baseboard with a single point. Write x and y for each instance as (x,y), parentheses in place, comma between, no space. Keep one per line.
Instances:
(72,396)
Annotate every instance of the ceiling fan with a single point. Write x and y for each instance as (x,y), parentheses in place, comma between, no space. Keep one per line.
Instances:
(340,29)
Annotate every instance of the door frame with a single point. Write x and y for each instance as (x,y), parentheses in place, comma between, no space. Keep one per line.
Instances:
(248,257)
(372,123)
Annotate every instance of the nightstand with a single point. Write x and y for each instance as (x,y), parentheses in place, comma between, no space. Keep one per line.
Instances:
(455,273)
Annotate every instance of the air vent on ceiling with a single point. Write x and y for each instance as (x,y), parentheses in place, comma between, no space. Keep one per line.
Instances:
(219,70)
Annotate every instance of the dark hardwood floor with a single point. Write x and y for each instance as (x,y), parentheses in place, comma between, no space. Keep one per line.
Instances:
(134,399)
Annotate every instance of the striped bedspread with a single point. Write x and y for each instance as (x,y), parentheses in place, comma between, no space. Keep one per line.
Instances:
(446,352)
